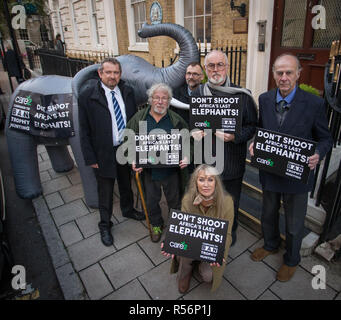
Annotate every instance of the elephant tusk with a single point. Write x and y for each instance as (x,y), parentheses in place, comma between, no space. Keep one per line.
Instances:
(178,104)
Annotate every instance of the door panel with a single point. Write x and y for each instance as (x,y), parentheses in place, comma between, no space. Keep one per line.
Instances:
(293,32)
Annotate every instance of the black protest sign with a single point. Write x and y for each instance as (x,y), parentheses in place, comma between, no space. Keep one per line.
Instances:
(213,112)
(196,237)
(158,149)
(282,154)
(42,115)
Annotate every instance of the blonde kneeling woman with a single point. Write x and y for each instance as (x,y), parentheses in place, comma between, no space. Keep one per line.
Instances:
(205,196)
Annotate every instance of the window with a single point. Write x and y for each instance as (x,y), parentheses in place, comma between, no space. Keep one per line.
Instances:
(197,19)
(44,33)
(94,23)
(74,23)
(139,8)
(136,17)
(23,34)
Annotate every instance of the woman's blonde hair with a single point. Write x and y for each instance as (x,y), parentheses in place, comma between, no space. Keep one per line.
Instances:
(219,192)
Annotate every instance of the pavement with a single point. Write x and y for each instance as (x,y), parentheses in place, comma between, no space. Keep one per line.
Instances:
(134,269)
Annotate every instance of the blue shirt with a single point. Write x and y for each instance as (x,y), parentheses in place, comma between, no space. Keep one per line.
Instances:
(288,98)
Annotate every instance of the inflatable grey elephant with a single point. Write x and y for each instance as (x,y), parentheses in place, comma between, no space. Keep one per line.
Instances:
(22,146)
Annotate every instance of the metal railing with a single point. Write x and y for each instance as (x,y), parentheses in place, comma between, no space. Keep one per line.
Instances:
(332,98)
(51,62)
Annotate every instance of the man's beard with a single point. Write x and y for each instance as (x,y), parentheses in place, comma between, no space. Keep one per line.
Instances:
(216,82)
(160,112)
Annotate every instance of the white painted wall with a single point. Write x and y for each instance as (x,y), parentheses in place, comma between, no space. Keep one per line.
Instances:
(258,63)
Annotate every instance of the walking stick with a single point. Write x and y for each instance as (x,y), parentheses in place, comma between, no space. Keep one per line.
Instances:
(143,203)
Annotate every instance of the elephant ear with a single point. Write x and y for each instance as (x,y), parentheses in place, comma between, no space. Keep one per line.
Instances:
(84,78)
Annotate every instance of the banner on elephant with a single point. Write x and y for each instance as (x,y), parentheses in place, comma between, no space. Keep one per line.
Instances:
(43,115)
(216,113)
(283,155)
(197,237)
(158,150)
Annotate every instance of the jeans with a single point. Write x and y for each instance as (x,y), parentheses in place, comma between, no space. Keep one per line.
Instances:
(295,209)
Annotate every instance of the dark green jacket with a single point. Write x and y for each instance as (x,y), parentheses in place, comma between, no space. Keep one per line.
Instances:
(178,123)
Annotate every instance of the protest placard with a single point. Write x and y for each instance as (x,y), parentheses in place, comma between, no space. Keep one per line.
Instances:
(42,115)
(158,150)
(214,112)
(195,236)
(282,154)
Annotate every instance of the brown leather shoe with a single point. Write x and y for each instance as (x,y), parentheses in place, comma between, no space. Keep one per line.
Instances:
(285,273)
(184,283)
(260,253)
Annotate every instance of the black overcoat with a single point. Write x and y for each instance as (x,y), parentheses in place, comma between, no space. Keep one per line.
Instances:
(306,119)
(95,123)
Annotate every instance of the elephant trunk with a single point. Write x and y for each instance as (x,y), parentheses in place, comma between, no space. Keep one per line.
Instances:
(174,75)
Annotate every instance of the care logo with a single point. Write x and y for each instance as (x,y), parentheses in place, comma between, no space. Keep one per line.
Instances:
(205,124)
(267,162)
(25,101)
(151,159)
(181,246)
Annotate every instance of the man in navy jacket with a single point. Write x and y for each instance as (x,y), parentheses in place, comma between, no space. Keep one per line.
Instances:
(289,110)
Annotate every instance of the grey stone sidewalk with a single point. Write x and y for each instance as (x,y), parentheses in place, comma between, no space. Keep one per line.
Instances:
(133,268)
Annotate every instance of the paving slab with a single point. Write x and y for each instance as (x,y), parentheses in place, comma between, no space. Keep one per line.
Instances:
(224,292)
(244,240)
(131,291)
(300,288)
(73,193)
(44,165)
(128,232)
(75,177)
(249,277)
(69,212)
(161,284)
(54,200)
(153,250)
(54,243)
(95,281)
(268,295)
(333,270)
(126,265)
(70,233)
(70,283)
(44,176)
(88,252)
(88,224)
(55,185)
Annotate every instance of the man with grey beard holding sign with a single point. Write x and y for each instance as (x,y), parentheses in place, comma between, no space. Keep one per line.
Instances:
(158,117)
(235,144)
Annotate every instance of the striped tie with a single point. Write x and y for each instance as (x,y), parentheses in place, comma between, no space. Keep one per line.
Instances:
(118,115)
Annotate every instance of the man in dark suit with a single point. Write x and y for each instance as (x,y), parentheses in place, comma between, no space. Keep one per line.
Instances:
(12,65)
(235,144)
(194,75)
(289,110)
(104,109)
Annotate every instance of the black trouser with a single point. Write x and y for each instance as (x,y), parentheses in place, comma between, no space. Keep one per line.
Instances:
(171,187)
(105,189)
(234,187)
(295,209)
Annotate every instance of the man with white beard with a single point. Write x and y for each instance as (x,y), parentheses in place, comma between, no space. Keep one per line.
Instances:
(235,145)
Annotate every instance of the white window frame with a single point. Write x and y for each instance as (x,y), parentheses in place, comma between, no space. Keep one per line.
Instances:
(73,22)
(180,19)
(96,40)
(133,45)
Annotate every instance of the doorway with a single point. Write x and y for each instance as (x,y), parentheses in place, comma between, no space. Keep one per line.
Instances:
(293,32)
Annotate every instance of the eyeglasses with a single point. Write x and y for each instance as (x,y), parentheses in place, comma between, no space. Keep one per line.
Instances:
(220,66)
(194,74)
(160,99)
